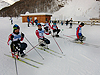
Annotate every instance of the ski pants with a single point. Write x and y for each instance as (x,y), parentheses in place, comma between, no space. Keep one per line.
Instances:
(56,30)
(28,23)
(18,47)
(44,41)
(71,25)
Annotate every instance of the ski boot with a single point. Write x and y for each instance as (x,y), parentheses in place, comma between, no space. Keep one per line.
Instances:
(15,55)
(42,44)
(57,35)
(22,54)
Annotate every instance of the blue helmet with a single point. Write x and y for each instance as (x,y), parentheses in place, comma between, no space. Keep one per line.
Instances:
(38,24)
(16,27)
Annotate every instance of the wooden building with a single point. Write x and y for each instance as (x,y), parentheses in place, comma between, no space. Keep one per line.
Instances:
(95,20)
(97,0)
(41,17)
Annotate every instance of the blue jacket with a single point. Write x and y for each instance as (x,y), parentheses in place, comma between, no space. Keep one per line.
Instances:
(36,21)
(28,19)
(78,31)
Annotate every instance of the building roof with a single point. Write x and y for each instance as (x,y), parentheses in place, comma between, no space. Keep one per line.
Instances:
(30,14)
(95,19)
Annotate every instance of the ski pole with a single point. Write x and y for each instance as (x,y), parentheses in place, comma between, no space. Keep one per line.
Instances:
(16,65)
(15,62)
(57,44)
(34,48)
(68,36)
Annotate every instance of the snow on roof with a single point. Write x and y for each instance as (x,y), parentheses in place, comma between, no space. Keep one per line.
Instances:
(29,14)
(94,18)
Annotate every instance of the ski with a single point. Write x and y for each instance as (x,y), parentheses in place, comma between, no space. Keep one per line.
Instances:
(78,42)
(87,44)
(33,61)
(48,52)
(53,51)
(23,61)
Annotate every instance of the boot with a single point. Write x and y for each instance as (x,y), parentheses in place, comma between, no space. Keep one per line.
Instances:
(23,54)
(42,44)
(57,35)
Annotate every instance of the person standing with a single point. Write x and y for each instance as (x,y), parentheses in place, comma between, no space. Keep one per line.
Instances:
(67,22)
(71,23)
(61,22)
(11,20)
(14,40)
(28,19)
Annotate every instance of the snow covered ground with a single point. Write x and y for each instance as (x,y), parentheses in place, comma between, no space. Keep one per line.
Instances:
(78,60)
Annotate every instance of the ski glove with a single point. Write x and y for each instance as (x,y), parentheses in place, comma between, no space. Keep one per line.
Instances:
(22,35)
(49,32)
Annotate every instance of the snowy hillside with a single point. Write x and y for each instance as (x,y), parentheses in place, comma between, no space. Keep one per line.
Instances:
(11,1)
(5,3)
(78,10)
(78,60)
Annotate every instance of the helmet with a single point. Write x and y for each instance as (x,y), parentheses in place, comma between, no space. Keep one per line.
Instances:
(16,27)
(82,24)
(38,24)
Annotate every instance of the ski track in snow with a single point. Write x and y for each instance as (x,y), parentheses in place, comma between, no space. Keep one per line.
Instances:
(78,60)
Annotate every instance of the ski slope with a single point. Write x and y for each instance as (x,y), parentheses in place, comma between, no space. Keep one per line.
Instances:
(78,60)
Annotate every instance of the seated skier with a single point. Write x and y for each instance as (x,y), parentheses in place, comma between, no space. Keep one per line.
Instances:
(40,34)
(31,21)
(79,35)
(55,29)
(47,27)
(14,41)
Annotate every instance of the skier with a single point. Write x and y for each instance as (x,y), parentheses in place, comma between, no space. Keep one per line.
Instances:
(14,41)
(67,22)
(47,27)
(55,29)
(36,21)
(61,22)
(28,19)
(40,34)
(11,20)
(31,21)
(71,23)
(79,35)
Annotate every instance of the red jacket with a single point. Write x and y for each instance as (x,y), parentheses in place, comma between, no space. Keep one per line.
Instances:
(78,31)
(40,33)
(54,27)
